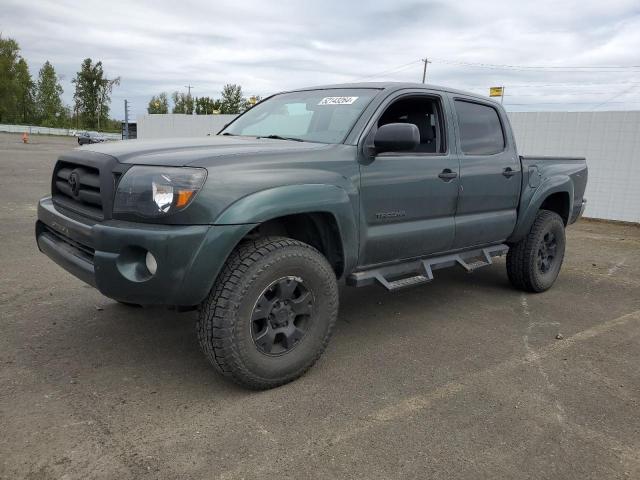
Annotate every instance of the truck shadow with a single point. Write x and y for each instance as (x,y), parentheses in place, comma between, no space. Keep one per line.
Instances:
(153,347)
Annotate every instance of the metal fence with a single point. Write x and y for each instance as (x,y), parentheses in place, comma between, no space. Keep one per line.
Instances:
(35,130)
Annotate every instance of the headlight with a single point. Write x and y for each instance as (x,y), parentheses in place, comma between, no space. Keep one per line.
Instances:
(157,191)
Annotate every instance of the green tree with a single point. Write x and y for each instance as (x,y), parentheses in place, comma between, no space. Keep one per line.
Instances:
(232,101)
(25,93)
(159,104)
(51,111)
(9,57)
(207,106)
(182,103)
(93,94)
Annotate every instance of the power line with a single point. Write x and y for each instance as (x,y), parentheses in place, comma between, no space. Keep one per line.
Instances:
(538,67)
(565,103)
(532,68)
(548,94)
(571,84)
(402,69)
(624,92)
(390,70)
(590,69)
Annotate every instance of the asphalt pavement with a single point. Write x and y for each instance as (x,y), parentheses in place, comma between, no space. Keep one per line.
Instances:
(463,378)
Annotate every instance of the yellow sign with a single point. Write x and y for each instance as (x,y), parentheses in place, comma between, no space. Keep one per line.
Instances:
(495,91)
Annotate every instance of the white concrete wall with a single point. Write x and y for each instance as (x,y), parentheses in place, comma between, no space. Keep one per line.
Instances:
(180,125)
(609,140)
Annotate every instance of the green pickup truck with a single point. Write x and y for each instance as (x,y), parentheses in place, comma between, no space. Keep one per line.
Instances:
(368,183)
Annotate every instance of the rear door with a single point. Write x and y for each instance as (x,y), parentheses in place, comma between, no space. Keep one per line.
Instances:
(408,199)
(490,174)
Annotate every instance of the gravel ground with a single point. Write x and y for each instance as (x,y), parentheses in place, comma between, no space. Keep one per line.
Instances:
(463,378)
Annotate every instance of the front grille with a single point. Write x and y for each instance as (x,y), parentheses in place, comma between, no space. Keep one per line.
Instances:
(77,187)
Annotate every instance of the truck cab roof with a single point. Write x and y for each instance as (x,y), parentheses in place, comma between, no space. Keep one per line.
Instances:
(394,86)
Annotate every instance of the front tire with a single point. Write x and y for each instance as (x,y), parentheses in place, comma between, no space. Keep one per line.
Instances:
(533,264)
(270,313)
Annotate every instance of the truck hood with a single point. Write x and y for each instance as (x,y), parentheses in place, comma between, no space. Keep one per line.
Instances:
(202,152)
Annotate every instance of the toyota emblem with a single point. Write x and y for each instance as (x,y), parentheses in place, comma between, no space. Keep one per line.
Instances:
(74,182)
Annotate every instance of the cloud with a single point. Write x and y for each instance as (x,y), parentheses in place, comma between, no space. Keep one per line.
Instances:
(268,47)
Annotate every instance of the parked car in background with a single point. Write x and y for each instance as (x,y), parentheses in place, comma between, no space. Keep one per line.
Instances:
(85,138)
(371,183)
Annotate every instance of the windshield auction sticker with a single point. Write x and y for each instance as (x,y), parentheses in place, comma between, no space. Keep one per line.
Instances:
(337,100)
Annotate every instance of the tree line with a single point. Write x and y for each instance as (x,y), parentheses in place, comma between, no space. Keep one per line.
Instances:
(232,101)
(26,101)
(39,102)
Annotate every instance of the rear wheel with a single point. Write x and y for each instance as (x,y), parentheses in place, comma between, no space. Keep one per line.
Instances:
(533,264)
(270,313)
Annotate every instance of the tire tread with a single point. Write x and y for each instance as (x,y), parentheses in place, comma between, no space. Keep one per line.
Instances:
(521,257)
(215,326)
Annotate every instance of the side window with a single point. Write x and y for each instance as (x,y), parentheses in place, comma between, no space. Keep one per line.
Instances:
(480,129)
(426,114)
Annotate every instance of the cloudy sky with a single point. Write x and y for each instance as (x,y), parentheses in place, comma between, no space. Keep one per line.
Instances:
(549,55)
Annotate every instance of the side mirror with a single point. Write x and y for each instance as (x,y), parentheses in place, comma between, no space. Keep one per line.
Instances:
(396,137)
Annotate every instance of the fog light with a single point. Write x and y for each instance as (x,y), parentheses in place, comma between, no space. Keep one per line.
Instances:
(151,263)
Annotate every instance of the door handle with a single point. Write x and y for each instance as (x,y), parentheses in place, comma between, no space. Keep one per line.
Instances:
(447,174)
(509,172)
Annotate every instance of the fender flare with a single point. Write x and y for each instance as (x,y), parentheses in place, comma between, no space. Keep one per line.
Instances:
(271,203)
(531,203)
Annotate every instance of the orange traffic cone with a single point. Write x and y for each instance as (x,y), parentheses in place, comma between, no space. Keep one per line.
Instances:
(25,137)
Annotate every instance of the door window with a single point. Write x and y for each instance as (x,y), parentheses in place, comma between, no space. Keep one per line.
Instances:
(480,129)
(424,113)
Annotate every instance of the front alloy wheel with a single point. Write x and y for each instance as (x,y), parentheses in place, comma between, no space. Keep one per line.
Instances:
(281,316)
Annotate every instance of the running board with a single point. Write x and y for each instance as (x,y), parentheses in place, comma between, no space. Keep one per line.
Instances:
(417,272)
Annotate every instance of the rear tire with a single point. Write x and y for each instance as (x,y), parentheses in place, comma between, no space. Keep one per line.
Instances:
(270,313)
(533,264)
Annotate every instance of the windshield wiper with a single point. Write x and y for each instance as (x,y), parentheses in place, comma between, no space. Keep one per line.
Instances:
(280,137)
(230,134)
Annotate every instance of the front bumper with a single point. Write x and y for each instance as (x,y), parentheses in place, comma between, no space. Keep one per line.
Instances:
(110,255)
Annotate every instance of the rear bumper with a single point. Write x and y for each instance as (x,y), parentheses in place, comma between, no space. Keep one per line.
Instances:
(111,255)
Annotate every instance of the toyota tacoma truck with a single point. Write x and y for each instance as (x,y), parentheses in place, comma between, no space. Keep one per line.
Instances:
(369,183)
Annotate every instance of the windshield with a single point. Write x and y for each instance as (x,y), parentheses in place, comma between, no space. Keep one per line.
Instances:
(324,116)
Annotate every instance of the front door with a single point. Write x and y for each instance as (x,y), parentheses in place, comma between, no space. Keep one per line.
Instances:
(408,199)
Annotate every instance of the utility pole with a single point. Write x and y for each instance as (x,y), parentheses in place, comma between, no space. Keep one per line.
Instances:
(424,71)
(126,120)
(188,87)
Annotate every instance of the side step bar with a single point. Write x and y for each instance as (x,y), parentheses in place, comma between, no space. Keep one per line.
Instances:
(417,272)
